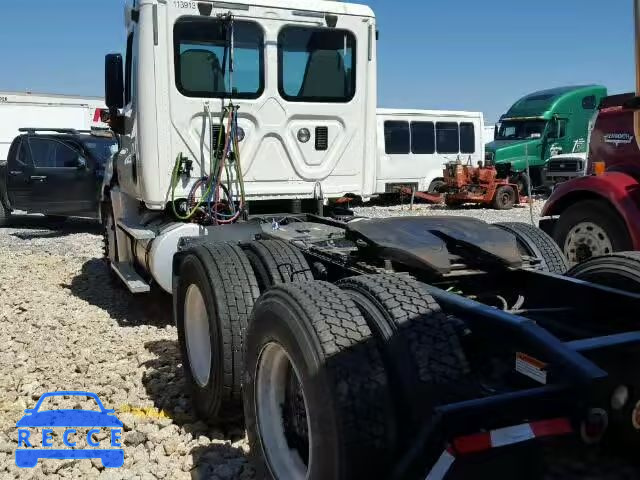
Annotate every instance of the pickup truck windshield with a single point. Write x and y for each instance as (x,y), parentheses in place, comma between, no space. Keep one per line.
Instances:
(521,129)
(101,148)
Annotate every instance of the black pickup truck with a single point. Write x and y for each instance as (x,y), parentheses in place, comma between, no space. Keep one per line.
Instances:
(55,172)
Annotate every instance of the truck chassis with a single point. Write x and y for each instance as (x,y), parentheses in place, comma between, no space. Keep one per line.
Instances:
(470,330)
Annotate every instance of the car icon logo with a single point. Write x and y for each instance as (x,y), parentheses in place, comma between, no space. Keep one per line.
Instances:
(28,452)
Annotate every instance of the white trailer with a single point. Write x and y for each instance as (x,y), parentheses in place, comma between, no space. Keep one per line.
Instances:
(489,133)
(34,110)
(414,145)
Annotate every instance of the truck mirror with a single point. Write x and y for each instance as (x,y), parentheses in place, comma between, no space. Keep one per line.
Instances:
(114,81)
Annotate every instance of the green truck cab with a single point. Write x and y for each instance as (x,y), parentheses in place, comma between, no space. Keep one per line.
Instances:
(543,124)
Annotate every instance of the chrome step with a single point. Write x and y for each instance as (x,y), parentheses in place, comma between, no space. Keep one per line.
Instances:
(134,282)
(136,231)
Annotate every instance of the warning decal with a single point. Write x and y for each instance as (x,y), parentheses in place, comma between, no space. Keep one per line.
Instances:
(531,367)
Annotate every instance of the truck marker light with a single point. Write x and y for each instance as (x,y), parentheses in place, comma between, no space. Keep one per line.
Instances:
(635,416)
(599,168)
(594,427)
(620,397)
(304,135)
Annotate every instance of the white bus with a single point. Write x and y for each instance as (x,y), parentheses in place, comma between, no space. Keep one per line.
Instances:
(414,145)
(33,110)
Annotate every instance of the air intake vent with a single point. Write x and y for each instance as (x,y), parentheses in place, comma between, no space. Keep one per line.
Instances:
(322,138)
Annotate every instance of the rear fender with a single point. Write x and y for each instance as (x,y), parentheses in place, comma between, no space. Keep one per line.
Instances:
(618,189)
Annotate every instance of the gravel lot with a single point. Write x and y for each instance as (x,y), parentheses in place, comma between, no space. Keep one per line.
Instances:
(65,326)
(520,213)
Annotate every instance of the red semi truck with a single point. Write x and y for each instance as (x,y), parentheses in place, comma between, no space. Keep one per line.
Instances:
(600,213)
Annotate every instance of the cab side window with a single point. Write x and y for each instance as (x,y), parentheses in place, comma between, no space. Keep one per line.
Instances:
(128,69)
(589,102)
(562,128)
(20,153)
(49,153)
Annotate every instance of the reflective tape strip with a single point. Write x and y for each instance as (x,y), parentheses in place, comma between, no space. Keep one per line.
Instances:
(510,435)
(442,466)
(501,437)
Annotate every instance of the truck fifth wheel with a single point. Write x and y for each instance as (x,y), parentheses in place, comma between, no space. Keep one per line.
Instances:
(354,348)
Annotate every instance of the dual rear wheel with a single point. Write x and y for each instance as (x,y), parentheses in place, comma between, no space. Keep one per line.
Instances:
(336,380)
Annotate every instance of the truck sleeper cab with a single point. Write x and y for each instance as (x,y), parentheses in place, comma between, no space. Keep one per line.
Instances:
(541,125)
(414,146)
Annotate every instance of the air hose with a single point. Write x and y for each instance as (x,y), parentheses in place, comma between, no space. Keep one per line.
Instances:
(224,160)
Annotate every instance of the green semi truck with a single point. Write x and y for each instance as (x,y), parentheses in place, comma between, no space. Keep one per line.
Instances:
(541,125)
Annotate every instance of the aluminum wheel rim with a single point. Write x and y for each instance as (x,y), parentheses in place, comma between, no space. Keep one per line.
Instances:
(586,240)
(196,326)
(283,461)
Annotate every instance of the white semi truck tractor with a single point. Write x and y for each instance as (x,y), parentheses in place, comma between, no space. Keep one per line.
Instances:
(353,347)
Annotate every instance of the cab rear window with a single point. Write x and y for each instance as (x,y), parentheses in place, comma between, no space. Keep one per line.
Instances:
(202,58)
(316,65)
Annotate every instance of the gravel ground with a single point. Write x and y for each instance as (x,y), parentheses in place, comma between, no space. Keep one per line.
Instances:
(65,326)
(520,213)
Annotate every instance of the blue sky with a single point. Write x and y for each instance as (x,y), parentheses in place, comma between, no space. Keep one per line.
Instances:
(454,54)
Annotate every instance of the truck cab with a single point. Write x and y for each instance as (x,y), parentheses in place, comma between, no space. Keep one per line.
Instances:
(541,125)
(599,213)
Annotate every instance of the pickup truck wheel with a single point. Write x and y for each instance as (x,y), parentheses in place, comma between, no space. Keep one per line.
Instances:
(620,270)
(505,198)
(275,262)
(214,296)
(419,344)
(316,397)
(5,215)
(533,242)
(590,229)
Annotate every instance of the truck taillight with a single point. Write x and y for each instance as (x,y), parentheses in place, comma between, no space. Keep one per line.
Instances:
(599,168)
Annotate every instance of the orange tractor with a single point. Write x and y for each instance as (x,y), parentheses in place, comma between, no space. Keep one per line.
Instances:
(483,185)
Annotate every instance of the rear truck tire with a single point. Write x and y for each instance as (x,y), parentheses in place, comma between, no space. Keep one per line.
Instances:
(533,242)
(436,186)
(213,299)
(5,215)
(275,262)
(419,345)
(316,397)
(590,229)
(504,198)
(619,270)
